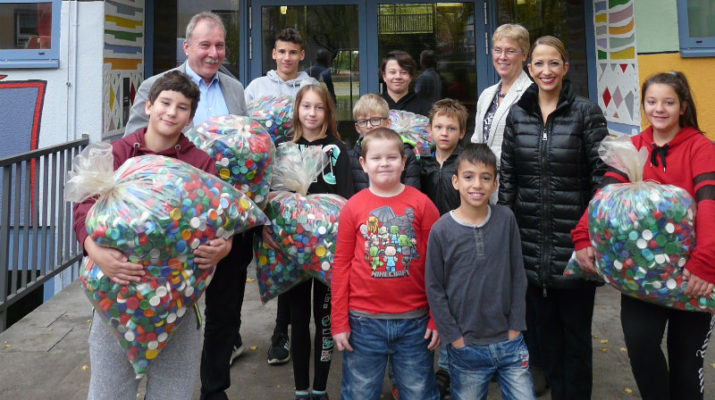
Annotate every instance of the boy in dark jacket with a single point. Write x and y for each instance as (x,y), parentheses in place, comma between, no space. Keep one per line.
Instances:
(448,124)
(370,112)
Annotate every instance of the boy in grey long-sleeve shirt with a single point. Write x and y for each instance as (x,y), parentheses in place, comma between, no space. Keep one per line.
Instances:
(476,285)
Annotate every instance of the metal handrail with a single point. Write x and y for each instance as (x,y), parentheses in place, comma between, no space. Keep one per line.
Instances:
(36,237)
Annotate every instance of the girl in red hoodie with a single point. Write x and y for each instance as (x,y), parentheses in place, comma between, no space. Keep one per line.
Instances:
(680,155)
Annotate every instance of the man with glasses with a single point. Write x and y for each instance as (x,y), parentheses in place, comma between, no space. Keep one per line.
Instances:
(370,112)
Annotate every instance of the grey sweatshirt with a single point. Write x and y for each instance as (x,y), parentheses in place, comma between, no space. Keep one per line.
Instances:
(273,85)
(475,279)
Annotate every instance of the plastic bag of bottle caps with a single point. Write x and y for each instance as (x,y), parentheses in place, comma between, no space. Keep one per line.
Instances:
(414,129)
(243,152)
(642,233)
(306,229)
(303,226)
(274,273)
(275,113)
(156,210)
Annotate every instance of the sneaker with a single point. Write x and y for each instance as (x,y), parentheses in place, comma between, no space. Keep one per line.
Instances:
(279,352)
(395,395)
(322,396)
(237,351)
(302,396)
(442,379)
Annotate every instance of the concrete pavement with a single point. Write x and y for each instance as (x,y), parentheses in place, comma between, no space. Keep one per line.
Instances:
(44,356)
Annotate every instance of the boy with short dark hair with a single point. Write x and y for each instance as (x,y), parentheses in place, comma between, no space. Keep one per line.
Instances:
(171,106)
(476,285)
(287,52)
(448,120)
(379,306)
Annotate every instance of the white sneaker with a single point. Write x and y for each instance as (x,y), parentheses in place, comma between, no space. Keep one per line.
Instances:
(237,351)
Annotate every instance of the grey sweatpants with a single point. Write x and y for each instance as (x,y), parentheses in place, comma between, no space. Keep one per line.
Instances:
(171,375)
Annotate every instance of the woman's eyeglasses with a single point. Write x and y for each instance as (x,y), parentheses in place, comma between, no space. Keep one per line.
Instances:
(508,52)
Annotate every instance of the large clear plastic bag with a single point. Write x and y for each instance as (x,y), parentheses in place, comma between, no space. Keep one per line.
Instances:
(243,152)
(643,233)
(414,129)
(304,226)
(275,113)
(155,210)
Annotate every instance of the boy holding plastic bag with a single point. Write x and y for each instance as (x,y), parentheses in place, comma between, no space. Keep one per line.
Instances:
(679,155)
(171,105)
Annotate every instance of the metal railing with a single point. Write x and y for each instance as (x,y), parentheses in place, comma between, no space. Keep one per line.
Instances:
(36,237)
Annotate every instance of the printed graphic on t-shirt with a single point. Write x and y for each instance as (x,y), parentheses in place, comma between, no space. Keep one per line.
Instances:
(333,152)
(390,242)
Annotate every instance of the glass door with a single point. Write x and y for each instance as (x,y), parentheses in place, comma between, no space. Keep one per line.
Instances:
(330,40)
(440,37)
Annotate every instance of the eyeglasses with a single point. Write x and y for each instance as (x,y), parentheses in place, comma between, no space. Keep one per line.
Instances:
(374,122)
(509,52)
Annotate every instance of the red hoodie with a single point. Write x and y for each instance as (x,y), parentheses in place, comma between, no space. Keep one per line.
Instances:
(689,164)
(132,146)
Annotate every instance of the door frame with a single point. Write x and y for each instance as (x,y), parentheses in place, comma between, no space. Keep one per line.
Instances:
(367,38)
(254,43)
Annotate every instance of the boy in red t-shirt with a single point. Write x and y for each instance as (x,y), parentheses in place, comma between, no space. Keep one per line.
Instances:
(379,304)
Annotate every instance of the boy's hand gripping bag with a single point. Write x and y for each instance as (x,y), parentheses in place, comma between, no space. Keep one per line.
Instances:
(304,226)
(414,129)
(156,210)
(642,232)
(275,113)
(243,152)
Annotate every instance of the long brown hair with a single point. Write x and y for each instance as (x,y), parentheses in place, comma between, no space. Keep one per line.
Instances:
(679,83)
(330,126)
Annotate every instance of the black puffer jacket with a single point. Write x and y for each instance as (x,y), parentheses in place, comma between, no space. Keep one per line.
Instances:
(549,171)
(437,181)
(410,176)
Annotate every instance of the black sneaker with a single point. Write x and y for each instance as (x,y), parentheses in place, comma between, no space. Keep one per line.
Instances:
(442,379)
(279,352)
(323,396)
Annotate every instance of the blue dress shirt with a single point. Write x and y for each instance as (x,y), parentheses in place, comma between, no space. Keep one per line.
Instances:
(211,102)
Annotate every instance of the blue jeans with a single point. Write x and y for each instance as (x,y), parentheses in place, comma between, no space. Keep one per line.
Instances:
(471,369)
(373,341)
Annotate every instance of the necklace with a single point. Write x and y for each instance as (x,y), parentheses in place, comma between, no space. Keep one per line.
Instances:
(501,95)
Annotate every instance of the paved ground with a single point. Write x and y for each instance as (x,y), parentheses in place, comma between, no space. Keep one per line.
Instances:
(44,355)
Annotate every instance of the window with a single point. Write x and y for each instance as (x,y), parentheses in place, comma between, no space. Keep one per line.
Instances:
(29,34)
(695,28)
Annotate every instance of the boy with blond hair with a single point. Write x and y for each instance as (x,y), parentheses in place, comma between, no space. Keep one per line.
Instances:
(371,112)
(448,124)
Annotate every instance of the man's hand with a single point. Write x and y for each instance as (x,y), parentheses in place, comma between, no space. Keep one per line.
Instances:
(113,263)
(342,341)
(210,253)
(433,337)
(513,334)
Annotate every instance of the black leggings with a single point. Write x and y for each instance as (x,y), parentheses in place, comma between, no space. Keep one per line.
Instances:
(300,334)
(681,377)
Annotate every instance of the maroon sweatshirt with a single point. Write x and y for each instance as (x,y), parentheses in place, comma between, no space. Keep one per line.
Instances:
(132,146)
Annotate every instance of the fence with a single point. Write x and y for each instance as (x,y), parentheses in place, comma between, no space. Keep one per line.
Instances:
(36,237)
